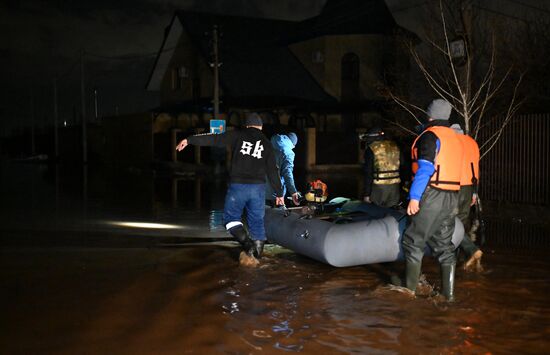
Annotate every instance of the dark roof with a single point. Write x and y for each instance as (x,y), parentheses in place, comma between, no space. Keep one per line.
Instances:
(343,17)
(254,63)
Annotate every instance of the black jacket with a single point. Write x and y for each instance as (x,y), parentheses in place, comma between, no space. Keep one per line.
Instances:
(427,143)
(252,156)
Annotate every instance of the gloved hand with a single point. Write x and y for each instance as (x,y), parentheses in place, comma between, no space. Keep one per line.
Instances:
(296,197)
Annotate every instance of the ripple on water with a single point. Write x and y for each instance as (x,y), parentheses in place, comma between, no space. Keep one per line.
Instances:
(283,327)
(288,347)
(231,308)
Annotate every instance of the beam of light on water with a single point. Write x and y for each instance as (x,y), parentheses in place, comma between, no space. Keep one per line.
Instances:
(145,225)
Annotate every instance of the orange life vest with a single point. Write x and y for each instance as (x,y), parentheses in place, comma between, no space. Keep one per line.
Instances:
(470,163)
(448,161)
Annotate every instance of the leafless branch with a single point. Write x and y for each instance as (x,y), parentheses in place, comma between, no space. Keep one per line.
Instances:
(406,105)
(400,126)
(471,93)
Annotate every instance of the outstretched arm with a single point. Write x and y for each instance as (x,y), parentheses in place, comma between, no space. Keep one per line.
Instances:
(208,139)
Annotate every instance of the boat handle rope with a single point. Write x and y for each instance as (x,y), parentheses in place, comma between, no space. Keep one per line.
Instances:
(304,235)
(286,211)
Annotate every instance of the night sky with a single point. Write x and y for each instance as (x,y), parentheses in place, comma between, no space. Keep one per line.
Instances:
(42,39)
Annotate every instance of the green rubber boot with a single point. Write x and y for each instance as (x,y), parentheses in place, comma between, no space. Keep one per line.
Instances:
(396,280)
(412,274)
(448,281)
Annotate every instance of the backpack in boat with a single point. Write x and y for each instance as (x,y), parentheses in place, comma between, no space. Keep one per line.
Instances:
(317,191)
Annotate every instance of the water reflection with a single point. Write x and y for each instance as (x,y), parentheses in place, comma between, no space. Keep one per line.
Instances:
(146,225)
(97,289)
(216,220)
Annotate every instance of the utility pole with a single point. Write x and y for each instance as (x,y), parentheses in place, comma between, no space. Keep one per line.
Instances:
(55,120)
(83,112)
(33,144)
(95,103)
(216,73)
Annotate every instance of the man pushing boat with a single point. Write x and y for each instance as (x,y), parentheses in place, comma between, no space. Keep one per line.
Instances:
(252,159)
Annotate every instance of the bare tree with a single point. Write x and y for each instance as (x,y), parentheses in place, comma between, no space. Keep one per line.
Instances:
(468,79)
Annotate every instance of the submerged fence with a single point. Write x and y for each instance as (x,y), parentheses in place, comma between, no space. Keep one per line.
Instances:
(517,169)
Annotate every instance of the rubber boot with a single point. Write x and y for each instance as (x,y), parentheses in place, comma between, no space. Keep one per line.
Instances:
(257,249)
(396,281)
(448,281)
(240,235)
(412,275)
(474,262)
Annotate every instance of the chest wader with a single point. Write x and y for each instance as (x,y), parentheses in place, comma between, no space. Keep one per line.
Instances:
(432,225)
(435,221)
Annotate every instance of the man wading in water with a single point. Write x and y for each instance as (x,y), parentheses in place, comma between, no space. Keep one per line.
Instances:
(252,159)
(437,166)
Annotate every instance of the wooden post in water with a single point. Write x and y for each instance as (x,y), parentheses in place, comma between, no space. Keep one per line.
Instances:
(83,110)
(360,158)
(174,143)
(311,146)
(198,148)
(55,121)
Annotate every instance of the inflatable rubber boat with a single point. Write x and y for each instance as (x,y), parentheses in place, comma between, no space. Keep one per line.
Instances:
(354,233)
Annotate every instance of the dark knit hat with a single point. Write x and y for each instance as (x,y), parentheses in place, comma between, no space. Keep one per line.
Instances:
(439,109)
(253,119)
(293,138)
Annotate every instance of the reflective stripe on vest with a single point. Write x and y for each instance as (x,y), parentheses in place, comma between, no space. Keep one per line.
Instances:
(386,162)
(470,163)
(448,161)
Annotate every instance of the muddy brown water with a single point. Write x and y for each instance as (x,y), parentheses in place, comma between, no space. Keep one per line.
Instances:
(100,291)
(197,299)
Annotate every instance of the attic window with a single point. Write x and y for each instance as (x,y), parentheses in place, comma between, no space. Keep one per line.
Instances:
(178,75)
(317,57)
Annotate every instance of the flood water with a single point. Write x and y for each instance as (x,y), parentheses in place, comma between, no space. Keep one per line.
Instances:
(77,278)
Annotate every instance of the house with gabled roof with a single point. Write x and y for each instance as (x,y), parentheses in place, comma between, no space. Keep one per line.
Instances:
(321,72)
(339,56)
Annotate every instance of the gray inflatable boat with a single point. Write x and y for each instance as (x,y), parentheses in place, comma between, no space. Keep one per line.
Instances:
(366,234)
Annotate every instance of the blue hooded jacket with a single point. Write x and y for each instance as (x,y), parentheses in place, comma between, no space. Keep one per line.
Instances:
(284,157)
